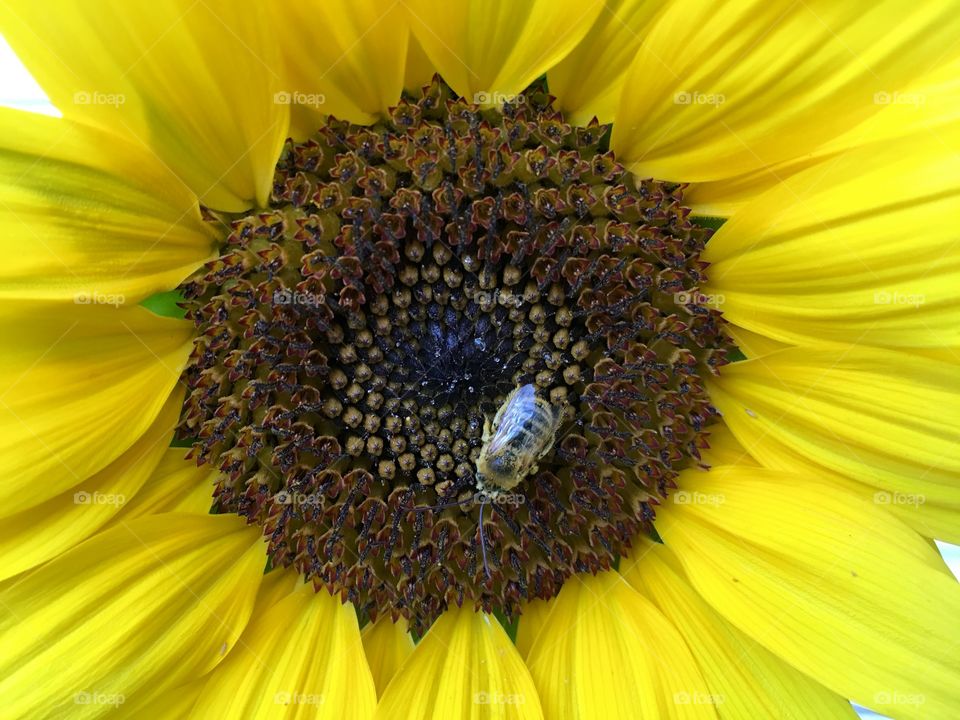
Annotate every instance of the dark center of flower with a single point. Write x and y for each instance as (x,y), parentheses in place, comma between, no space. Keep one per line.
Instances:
(356,338)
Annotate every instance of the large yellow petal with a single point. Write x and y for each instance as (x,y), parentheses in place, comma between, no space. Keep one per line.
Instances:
(418,70)
(724,448)
(178,703)
(490,50)
(172,704)
(750,343)
(84,213)
(887,419)
(826,581)
(193,81)
(464,667)
(607,653)
(176,485)
(587,82)
(924,107)
(387,645)
(354,71)
(862,248)
(135,610)
(300,658)
(719,89)
(35,535)
(534,617)
(747,680)
(78,387)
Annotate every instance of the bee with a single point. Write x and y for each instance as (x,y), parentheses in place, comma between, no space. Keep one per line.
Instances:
(523,431)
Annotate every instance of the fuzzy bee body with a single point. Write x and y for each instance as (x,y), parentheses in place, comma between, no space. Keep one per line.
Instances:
(522,432)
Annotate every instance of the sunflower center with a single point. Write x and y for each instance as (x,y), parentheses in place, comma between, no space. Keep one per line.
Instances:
(456,288)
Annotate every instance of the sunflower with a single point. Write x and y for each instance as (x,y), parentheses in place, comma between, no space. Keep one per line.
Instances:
(273,280)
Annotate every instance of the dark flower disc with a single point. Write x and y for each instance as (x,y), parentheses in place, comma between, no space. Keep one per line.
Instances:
(355,337)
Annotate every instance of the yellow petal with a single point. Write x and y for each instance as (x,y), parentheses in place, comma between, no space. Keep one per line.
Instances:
(387,645)
(828,582)
(464,667)
(355,72)
(887,419)
(137,609)
(177,485)
(927,518)
(859,249)
(193,81)
(719,89)
(275,586)
(606,652)
(79,386)
(587,82)
(174,704)
(750,343)
(34,536)
(84,213)
(724,448)
(926,106)
(534,617)
(747,680)
(490,50)
(418,70)
(300,658)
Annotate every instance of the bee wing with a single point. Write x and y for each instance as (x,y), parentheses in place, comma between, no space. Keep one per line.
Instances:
(512,417)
